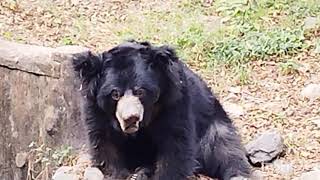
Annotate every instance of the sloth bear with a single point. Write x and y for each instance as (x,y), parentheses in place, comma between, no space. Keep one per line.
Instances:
(149,116)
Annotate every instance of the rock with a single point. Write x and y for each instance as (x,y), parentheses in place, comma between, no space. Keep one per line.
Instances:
(233,109)
(274,106)
(21,159)
(312,175)
(39,77)
(282,167)
(92,173)
(310,22)
(235,90)
(29,58)
(311,91)
(257,175)
(265,148)
(65,173)
(239,178)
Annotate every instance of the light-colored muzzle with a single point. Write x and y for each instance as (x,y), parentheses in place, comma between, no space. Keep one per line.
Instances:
(129,112)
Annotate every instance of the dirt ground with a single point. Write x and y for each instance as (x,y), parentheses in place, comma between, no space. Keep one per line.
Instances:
(269,100)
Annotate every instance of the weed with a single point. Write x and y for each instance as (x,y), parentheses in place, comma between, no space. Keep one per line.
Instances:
(43,158)
(7,35)
(258,45)
(289,67)
(242,75)
(249,32)
(67,40)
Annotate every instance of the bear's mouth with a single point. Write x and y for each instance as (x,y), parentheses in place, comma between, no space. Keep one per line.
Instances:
(132,125)
(131,128)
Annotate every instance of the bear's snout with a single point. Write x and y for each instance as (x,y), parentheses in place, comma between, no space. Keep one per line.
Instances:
(129,112)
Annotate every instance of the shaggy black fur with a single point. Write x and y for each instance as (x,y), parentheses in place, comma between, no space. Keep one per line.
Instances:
(185,130)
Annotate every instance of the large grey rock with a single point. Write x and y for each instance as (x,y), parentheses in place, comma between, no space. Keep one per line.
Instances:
(92,173)
(311,91)
(265,148)
(312,175)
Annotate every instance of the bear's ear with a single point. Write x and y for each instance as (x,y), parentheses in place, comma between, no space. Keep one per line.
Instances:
(165,55)
(87,66)
(166,58)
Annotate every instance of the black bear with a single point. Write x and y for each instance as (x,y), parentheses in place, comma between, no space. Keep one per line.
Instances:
(149,116)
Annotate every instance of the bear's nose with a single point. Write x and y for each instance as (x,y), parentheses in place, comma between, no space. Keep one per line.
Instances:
(132,120)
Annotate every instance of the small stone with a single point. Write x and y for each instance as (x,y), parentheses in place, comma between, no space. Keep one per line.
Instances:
(65,173)
(257,175)
(235,90)
(312,175)
(92,173)
(274,106)
(310,22)
(282,167)
(233,109)
(239,178)
(311,91)
(21,159)
(265,148)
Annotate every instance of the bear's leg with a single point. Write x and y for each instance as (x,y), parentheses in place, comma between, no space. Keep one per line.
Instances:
(176,159)
(222,153)
(106,156)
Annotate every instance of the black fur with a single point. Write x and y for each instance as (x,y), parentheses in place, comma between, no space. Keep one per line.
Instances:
(184,131)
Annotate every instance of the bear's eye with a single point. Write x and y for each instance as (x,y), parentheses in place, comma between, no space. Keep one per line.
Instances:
(115,94)
(140,92)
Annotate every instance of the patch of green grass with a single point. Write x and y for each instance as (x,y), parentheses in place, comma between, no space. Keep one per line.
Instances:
(67,40)
(267,30)
(7,35)
(178,27)
(43,159)
(242,75)
(48,156)
(289,67)
(299,9)
(258,45)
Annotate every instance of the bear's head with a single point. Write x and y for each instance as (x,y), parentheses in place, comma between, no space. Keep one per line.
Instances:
(130,83)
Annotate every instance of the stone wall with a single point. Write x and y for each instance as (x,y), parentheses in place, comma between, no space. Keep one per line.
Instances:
(38,102)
